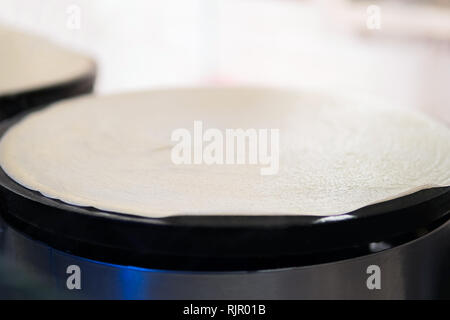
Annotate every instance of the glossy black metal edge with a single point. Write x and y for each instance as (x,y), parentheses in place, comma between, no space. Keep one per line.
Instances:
(13,104)
(210,242)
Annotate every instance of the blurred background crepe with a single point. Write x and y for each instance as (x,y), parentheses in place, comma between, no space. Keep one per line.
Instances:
(143,44)
(35,72)
(31,63)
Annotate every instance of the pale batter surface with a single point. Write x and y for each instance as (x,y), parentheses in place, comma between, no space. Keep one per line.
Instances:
(28,62)
(336,154)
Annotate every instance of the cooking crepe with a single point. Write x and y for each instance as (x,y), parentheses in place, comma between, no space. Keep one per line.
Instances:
(337,153)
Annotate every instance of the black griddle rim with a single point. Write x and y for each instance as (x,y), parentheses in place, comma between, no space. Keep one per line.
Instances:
(16,103)
(211,242)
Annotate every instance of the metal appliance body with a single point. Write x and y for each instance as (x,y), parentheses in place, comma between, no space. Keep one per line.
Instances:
(415,270)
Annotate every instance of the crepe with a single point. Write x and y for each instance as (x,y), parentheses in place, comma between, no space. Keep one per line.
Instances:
(28,62)
(337,153)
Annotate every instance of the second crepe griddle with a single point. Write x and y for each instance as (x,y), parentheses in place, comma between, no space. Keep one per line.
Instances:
(17,101)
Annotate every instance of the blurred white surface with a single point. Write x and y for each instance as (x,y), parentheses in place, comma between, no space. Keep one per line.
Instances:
(147,43)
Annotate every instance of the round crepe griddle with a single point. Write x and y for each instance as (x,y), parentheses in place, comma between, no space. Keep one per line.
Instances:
(219,242)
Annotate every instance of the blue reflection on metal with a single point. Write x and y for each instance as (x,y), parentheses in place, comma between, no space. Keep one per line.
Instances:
(120,266)
(132,285)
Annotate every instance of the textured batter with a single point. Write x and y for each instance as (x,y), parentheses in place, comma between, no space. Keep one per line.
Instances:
(336,154)
(28,62)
